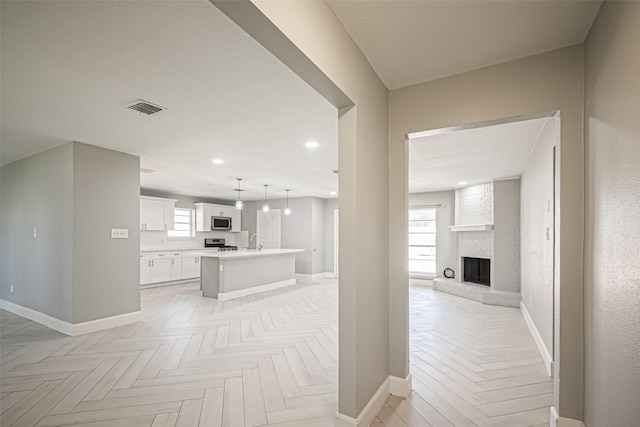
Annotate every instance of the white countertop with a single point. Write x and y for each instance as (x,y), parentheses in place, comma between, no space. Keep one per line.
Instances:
(243,253)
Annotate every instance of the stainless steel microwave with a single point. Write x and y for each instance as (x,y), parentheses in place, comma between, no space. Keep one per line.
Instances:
(220,223)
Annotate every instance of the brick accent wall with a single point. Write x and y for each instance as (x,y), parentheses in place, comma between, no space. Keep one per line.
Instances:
(495,203)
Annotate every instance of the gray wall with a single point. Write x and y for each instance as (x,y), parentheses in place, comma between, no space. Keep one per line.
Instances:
(37,192)
(612,285)
(536,252)
(73,195)
(506,236)
(540,83)
(330,205)
(317,235)
(446,240)
(303,229)
(106,187)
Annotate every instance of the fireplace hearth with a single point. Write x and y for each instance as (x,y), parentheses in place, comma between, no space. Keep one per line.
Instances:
(477,270)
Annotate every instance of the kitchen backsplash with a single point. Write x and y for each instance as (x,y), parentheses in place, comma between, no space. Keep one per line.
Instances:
(158,240)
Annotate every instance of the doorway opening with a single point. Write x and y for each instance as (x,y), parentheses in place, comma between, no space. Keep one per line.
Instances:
(495,188)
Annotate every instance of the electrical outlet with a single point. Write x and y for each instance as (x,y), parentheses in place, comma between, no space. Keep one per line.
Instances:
(11,288)
(119,233)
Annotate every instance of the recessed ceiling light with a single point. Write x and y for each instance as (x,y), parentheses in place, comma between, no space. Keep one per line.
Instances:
(218,161)
(312,144)
(333,193)
(462,183)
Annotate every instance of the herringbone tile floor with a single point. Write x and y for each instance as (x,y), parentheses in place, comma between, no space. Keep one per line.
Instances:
(268,359)
(472,365)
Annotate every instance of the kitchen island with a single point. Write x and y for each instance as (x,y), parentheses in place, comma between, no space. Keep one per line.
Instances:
(227,275)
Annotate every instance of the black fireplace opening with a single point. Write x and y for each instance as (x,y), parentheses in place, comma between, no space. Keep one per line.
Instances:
(477,270)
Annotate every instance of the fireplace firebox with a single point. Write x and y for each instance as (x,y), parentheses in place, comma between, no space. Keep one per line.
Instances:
(477,270)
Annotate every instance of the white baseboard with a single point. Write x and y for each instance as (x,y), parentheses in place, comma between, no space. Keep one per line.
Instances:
(67,328)
(400,387)
(226,296)
(546,355)
(392,385)
(330,274)
(369,412)
(306,278)
(557,421)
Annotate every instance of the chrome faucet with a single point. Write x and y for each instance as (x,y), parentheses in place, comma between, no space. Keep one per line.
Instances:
(258,237)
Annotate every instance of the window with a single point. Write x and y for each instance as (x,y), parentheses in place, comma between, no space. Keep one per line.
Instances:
(422,241)
(183,223)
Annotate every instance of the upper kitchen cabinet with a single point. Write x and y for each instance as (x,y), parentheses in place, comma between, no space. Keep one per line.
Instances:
(156,213)
(205,211)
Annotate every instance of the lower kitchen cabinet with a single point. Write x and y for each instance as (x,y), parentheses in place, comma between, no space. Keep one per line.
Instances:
(176,265)
(190,267)
(158,267)
(145,269)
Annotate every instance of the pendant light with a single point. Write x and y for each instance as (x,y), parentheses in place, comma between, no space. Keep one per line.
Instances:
(265,207)
(287,211)
(239,203)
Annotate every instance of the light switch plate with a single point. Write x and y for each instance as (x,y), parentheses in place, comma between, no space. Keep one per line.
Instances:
(119,233)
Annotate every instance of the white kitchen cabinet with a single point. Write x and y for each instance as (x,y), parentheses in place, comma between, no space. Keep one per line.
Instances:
(204,212)
(160,267)
(190,267)
(145,269)
(203,217)
(176,265)
(236,220)
(156,213)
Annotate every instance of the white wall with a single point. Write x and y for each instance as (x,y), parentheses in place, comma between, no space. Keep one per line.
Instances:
(536,251)
(612,286)
(446,240)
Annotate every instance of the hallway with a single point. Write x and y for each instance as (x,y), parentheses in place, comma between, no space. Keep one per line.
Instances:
(472,365)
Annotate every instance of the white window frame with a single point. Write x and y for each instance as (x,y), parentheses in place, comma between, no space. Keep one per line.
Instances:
(427,274)
(178,214)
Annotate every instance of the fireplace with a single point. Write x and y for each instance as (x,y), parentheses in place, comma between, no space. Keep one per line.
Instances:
(477,270)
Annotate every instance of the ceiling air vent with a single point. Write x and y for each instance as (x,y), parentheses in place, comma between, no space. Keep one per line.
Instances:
(144,107)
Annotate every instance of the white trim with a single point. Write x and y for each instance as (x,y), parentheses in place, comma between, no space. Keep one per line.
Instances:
(171,283)
(546,355)
(70,328)
(330,274)
(471,227)
(557,421)
(400,387)
(106,323)
(226,296)
(370,411)
(306,278)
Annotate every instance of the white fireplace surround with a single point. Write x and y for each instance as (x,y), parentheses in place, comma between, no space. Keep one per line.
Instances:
(488,226)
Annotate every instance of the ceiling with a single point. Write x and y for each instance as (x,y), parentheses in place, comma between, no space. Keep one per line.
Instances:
(68,68)
(482,154)
(409,42)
